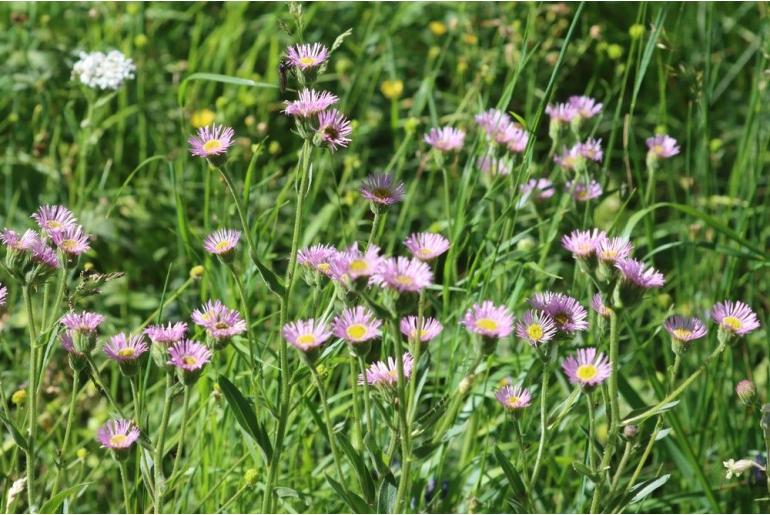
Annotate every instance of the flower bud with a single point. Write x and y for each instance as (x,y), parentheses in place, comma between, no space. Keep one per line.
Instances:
(746,391)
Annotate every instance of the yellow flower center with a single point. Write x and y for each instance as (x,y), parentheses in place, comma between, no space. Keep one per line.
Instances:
(381,193)
(658,149)
(118,440)
(610,254)
(586,372)
(126,352)
(356,331)
(222,245)
(305,340)
(190,361)
(682,334)
(68,245)
(486,324)
(535,331)
(512,400)
(561,318)
(212,145)
(731,323)
(221,325)
(359,266)
(307,61)
(393,373)
(53,224)
(424,252)
(404,280)
(582,194)
(323,267)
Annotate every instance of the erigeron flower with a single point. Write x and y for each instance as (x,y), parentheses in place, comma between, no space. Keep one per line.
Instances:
(213,140)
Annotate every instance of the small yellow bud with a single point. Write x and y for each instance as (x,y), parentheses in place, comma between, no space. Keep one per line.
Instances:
(715,145)
(250,476)
(462,65)
(434,52)
(660,129)
(132,8)
(343,65)
(221,102)
(274,147)
(470,39)
(392,89)
(438,28)
(202,118)
(82,453)
(249,120)
(141,40)
(197,271)
(614,51)
(636,31)
(411,124)
(18,397)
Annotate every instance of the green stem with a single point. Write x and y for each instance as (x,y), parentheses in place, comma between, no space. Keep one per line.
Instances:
(247,317)
(591,431)
(375,227)
(416,345)
(522,462)
(621,467)
(126,490)
(159,487)
(183,431)
(543,422)
(401,505)
(67,431)
(358,434)
(329,427)
(32,398)
(367,406)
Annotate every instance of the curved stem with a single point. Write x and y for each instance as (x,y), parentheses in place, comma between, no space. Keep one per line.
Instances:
(328,418)
(67,431)
(126,490)
(32,416)
(159,487)
(180,444)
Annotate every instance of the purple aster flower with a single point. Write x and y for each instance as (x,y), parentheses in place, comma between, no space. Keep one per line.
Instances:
(83,322)
(53,219)
(587,368)
(68,344)
(684,329)
(411,328)
(565,311)
(220,322)
(583,192)
(13,241)
(513,398)
(493,122)
(493,166)
(222,241)
(561,113)
(571,159)
(125,348)
(662,146)
(536,189)
(306,335)
(535,327)
(334,129)
(611,250)
(426,245)
(310,103)
(598,305)
(307,56)
(167,334)
(515,138)
(489,320)
(352,264)
(636,273)
(382,189)
(385,375)
(585,107)
(71,241)
(356,325)
(212,140)
(403,274)
(583,244)
(318,257)
(592,149)
(118,435)
(735,317)
(189,355)
(445,139)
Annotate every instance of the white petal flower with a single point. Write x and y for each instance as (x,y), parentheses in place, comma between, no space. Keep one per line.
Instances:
(736,468)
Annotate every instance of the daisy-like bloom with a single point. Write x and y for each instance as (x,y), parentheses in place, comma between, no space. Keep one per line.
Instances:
(513,398)
(306,335)
(583,192)
(356,325)
(382,189)
(641,276)
(13,241)
(334,129)
(118,435)
(567,313)
(734,317)
(222,241)
(98,70)
(403,274)
(83,322)
(599,306)
(411,328)
(53,219)
(71,241)
(445,139)
(493,122)
(352,264)
(515,138)
(610,250)
(535,327)
(166,334)
(586,107)
(43,254)
(489,320)
(592,150)
(220,322)
(310,103)
(583,244)
(537,189)
(426,245)
(318,257)
(561,113)
(684,329)
(385,375)
(307,56)
(212,140)
(125,348)
(662,146)
(587,368)
(189,355)
(493,166)
(571,158)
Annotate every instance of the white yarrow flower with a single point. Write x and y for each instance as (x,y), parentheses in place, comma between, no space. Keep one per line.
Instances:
(103,71)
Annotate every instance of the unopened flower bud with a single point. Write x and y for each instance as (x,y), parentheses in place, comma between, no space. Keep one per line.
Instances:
(746,391)
(630,431)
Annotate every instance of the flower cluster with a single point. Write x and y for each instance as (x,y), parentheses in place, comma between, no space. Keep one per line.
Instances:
(99,70)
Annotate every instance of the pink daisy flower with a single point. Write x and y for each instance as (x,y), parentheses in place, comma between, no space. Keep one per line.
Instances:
(403,274)
(537,189)
(610,250)
(535,327)
(515,138)
(571,158)
(222,241)
(513,398)
(124,348)
(489,320)
(566,312)
(493,122)
(582,244)
(42,254)
(592,150)
(684,329)
(167,334)
(319,257)
(352,264)
(13,241)
(334,129)
(53,219)
(310,103)
(307,56)
(426,246)
(68,344)
(84,322)
(385,375)
(445,139)
(561,113)
(636,273)
(118,435)
(662,146)
(356,325)
(598,305)
(220,322)
(212,140)
(71,241)
(189,355)
(493,166)
(583,192)
(587,368)
(382,189)
(585,107)
(306,335)
(411,328)
(735,317)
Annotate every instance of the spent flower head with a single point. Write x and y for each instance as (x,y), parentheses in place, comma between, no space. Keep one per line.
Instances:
(334,129)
